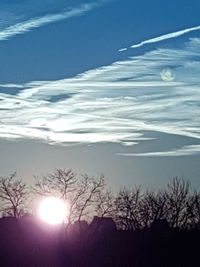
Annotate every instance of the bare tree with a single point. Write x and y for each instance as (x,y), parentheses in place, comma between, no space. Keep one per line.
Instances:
(127,209)
(92,188)
(80,192)
(131,209)
(177,197)
(193,209)
(59,183)
(13,193)
(153,207)
(176,205)
(105,204)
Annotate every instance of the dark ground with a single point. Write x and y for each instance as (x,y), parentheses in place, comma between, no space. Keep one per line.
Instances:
(25,242)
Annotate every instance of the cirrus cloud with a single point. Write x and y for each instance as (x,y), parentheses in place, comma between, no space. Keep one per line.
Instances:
(114,103)
(25,26)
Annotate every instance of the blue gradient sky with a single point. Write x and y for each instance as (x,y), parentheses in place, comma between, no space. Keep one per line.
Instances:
(101,86)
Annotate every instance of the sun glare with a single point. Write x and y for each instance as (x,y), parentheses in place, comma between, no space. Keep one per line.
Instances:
(53,210)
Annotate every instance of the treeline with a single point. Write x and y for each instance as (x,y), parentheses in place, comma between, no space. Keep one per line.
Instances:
(131,209)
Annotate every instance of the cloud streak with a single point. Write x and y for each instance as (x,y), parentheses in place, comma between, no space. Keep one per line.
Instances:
(163,37)
(184,151)
(28,25)
(115,103)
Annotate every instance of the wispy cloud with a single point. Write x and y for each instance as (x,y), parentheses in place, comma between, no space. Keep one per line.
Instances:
(28,25)
(183,151)
(115,103)
(163,37)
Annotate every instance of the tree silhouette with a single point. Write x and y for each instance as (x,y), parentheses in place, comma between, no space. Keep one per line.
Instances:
(105,204)
(176,204)
(177,199)
(154,227)
(127,209)
(87,195)
(152,207)
(81,193)
(59,183)
(13,194)
(193,210)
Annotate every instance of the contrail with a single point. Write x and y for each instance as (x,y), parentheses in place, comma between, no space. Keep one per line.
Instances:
(28,25)
(162,38)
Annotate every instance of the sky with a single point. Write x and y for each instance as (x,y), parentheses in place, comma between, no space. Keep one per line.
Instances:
(101,86)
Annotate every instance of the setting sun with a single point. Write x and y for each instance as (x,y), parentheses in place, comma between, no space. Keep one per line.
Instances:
(53,210)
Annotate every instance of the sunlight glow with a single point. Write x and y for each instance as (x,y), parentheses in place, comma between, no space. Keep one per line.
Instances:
(53,210)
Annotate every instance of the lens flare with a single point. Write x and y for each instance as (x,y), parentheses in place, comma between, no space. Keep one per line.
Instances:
(167,75)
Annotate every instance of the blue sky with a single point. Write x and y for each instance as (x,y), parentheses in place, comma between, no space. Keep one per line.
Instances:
(118,80)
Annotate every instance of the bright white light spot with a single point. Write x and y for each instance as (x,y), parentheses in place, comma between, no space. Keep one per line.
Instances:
(167,75)
(53,210)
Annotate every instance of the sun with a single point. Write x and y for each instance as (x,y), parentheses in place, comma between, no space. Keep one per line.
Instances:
(53,210)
